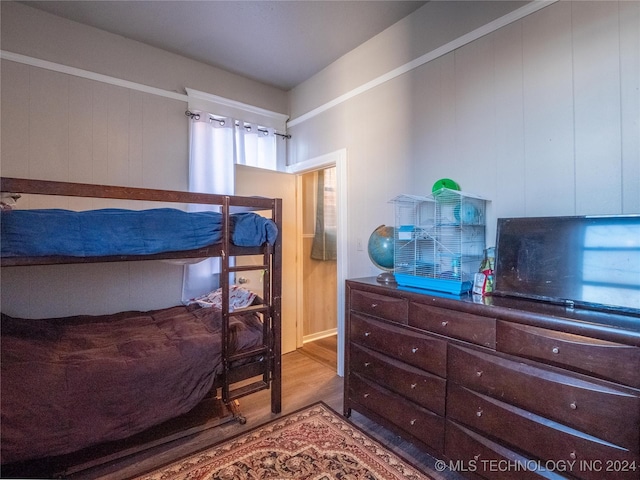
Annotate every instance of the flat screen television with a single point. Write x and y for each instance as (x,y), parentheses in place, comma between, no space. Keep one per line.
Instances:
(580,261)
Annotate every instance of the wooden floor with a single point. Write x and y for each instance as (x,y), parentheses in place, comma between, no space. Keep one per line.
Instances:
(309,376)
(323,350)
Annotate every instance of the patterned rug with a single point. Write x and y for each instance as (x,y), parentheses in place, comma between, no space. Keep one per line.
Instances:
(314,443)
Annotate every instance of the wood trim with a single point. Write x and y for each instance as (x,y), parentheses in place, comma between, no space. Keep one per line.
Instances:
(46,187)
(78,72)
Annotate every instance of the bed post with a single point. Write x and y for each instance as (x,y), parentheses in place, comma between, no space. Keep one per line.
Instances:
(224,285)
(276,264)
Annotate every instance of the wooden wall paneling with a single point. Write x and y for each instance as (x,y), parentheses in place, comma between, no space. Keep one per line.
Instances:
(395,98)
(629,14)
(46,298)
(177,143)
(158,136)
(155,284)
(548,112)
(160,168)
(448,113)
(596,65)
(100,127)
(43,201)
(56,290)
(507,182)
(80,137)
(433,128)
(320,287)
(118,136)
(136,146)
(309,197)
(429,123)
(475,114)
(309,302)
(94,289)
(80,130)
(15,118)
(153,133)
(49,124)
(15,282)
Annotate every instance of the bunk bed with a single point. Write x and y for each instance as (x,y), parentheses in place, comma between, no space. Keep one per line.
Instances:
(69,383)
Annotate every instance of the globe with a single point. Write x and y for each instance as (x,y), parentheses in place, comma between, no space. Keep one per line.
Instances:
(380,249)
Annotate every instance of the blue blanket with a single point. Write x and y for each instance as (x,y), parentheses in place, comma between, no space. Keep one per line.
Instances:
(124,232)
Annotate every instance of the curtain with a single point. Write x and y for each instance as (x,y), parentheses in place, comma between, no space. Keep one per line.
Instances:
(324,246)
(256,146)
(211,170)
(216,144)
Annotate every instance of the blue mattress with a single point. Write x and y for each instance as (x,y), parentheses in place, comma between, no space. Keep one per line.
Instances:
(95,233)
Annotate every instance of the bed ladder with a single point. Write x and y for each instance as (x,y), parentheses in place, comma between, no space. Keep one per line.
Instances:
(261,363)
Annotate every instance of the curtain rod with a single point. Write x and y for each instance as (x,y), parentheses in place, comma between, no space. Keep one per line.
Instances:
(196,116)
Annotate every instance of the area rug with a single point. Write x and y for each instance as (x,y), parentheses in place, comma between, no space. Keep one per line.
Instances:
(314,443)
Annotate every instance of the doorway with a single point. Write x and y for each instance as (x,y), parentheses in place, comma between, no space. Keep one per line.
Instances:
(336,159)
(319,254)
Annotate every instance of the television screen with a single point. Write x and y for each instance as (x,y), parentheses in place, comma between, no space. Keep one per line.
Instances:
(586,261)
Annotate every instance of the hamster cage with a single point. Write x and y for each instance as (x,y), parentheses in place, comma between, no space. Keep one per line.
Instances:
(439,240)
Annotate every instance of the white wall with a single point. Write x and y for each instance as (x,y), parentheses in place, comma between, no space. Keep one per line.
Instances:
(540,116)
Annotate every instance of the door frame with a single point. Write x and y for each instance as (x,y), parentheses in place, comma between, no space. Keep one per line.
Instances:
(338,159)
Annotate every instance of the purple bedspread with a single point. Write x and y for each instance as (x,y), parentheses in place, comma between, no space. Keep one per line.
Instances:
(75,382)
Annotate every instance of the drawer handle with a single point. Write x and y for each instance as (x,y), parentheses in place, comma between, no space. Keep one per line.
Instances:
(573,455)
(479,412)
(366,395)
(413,422)
(555,350)
(366,364)
(374,305)
(414,349)
(366,334)
(445,323)
(414,385)
(573,405)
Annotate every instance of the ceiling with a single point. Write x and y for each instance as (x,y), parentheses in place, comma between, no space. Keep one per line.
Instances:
(280,43)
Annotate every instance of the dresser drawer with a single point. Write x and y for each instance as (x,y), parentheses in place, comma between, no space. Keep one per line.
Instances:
(427,353)
(471,452)
(612,361)
(419,422)
(605,412)
(538,436)
(465,326)
(426,390)
(383,306)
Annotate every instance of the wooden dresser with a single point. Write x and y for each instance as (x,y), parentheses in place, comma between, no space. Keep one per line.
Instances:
(497,388)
